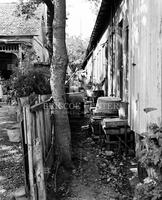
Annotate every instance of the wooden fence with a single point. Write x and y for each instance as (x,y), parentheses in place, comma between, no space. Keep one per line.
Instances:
(37,127)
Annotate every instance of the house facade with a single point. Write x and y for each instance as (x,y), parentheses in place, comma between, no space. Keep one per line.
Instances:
(22,41)
(125,48)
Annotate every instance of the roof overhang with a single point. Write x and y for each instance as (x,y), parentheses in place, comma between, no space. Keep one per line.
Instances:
(18,36)
(17,39)
(106,12)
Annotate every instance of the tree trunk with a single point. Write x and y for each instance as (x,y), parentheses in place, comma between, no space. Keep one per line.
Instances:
(58,73)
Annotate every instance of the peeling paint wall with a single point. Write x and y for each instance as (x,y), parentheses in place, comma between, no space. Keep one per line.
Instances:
(145,63)
(108,61)
(133,60)
(96,66)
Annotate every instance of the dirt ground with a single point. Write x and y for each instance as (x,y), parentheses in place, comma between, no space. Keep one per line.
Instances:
(11,159)
(97,174)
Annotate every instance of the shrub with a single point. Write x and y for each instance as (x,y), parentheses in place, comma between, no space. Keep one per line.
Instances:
(30,82)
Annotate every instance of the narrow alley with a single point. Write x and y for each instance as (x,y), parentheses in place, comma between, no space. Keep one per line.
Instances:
(97,175)
(80,100)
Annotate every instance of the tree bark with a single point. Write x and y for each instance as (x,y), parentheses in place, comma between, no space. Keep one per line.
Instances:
(57,81)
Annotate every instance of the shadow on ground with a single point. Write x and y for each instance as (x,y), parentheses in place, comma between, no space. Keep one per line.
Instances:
(11,158)
(97,175)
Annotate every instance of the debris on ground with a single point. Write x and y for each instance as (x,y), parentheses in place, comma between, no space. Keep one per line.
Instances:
(99,174)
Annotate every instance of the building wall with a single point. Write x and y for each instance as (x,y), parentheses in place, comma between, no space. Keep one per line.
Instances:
(40,50)
(131,60)
(145,63)
(39,41)
(19,31)
(97,64)
(109,60)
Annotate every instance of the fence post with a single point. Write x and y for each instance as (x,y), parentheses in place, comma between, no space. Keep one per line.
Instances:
(39,164)
(30,151)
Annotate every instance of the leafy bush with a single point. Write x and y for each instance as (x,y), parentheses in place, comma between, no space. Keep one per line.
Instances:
(151,154)
(149,190)
(150,158)
(31,82)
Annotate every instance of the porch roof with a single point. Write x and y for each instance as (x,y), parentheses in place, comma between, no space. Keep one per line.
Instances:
(107,10)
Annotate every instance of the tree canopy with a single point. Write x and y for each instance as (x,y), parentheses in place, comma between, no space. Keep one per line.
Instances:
(76,51)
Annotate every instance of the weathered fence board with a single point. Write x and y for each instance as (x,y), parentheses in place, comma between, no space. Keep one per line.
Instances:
(38,143)
(28,133)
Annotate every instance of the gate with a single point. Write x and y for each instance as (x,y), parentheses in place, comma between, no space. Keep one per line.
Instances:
(38,135)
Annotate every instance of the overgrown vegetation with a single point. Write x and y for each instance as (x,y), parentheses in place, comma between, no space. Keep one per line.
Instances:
(30,82)
(150,158)
(27,79)
(149,190)
(151,154)
(76,48)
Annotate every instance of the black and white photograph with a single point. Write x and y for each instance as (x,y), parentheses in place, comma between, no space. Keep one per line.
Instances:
(80,99)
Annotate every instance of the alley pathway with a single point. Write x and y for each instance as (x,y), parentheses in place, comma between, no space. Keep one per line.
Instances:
(11,162)
(97,176)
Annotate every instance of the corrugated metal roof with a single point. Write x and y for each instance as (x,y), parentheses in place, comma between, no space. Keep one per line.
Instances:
(106,12)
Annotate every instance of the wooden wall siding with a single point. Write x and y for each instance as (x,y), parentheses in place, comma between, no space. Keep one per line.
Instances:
(89,70)
(134,67)
(103,66)
(145,62)
(104,57)
(118,54)
(121,59)
(125,52)
(118,61)
(114,63)
(38,143)
(96,65)
(106,69)
(110,66)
